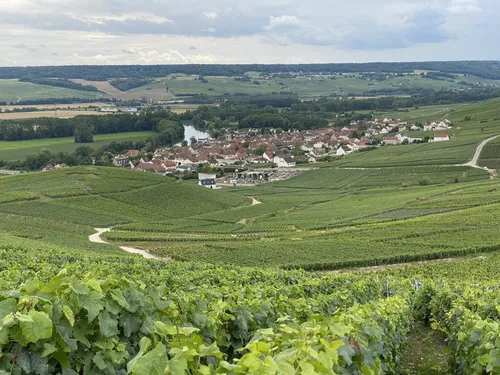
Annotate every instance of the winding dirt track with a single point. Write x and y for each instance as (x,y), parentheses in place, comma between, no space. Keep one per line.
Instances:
(96,238)
(477,154)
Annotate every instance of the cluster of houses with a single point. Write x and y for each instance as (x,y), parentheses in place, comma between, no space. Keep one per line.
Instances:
(50,167)
(392,129)
(246,148)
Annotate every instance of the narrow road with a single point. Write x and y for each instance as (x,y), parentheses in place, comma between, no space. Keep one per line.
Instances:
(477,154)
(96,238)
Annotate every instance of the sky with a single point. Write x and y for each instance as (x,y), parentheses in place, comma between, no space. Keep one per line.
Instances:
(69,32)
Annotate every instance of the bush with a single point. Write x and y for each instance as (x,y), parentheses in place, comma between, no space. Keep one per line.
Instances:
(424,181)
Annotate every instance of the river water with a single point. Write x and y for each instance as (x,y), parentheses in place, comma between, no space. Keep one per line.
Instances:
(190,131)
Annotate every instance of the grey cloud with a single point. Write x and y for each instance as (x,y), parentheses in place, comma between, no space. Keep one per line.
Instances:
(421,26)
(425,26)
(333,29)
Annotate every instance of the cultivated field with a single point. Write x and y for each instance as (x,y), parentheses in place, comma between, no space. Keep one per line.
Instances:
(81,106)
(58,113)
(411,207)
(303,86)
(155,91)
(18,150)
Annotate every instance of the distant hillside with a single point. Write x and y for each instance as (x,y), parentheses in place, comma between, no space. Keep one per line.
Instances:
(483,69)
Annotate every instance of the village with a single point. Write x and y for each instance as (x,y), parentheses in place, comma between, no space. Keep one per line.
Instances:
(276,150)
(254,156)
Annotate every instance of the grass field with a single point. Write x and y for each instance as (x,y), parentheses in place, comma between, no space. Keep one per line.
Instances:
(14,150)
(11,90)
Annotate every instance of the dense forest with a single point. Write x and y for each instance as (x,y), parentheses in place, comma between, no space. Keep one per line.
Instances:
(483,69)
(58,82)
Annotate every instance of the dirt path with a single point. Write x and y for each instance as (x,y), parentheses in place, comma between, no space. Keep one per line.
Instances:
(477,154)
(426,353)
(96,238)
(255,201)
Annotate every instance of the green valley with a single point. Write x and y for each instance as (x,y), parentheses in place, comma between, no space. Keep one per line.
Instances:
(385,260)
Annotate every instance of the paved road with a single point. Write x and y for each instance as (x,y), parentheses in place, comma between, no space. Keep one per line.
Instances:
(96,238)
(477,154)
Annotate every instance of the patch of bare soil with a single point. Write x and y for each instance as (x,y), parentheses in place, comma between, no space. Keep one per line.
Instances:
(106,87)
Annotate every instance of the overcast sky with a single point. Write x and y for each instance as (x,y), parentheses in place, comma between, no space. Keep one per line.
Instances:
(65,32)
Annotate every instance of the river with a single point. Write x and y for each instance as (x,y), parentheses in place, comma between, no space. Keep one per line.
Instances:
(190,131)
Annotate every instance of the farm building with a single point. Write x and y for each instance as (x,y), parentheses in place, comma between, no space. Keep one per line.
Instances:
(441,137)
(207,180)
(391,140)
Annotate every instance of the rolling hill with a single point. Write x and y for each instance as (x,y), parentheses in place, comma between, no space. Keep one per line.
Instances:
(69,306)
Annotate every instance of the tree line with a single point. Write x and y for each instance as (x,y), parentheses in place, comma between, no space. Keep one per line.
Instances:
(59,82)
(50,127)
(167,125)
(483,69)
(126,84)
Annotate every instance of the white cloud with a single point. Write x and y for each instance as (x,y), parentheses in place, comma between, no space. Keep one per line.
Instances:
(102,19)
(283,22)
(464,7)
(210,30)
(211,15)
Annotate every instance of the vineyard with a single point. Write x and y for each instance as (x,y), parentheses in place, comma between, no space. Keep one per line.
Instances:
(70,313)
(326,276)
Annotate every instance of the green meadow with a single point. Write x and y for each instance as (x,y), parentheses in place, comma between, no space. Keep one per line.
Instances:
(11,90)
(18,150)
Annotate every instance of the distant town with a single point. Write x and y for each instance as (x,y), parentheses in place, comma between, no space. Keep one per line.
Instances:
(273,151)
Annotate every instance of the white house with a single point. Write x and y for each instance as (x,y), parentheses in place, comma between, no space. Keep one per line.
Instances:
(284,161)
(342,150)
(207,180)
(268,155)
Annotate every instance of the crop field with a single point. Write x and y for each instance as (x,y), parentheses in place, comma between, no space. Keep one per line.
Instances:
(337,218)
(63,206)
(490,157)
(55,113)
(11,90)
(78,106)
(303,86)
(17,150)
(380,262)
(74,305)
(155,91)
(353,84)
(153,310)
